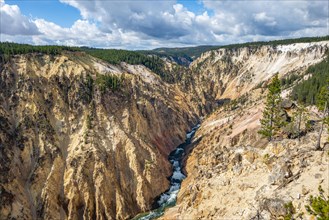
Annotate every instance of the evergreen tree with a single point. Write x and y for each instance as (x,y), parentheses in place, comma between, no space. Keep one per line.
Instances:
(271,121)
(307,91)
(299,116)
(322,104)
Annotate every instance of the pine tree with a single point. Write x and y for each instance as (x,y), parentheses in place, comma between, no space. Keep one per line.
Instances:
(323,105)
(271,121)
(299,116)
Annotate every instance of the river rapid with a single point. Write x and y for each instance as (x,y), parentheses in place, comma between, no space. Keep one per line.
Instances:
(168,198)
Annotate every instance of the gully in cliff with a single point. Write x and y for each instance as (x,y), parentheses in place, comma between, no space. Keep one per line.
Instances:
(168,198)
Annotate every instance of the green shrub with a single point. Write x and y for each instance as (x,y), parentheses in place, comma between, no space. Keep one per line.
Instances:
(89,85)
(108,81)
(288,80)
(319,206)
(266,158)
(290,211)
(89,122)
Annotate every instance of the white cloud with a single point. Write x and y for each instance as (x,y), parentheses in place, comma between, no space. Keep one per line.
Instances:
(271,18)
(145,24)
(148,17)
(81,29)
(12,22)
(263,18)
(82,33)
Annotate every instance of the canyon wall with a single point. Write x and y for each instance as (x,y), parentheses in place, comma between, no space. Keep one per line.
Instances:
(230,73)
(232,171)
(70,149)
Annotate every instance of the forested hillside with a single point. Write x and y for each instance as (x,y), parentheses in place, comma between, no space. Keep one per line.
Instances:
(307,91)
(113,56)
(8,49)
(145,57)
(151,58)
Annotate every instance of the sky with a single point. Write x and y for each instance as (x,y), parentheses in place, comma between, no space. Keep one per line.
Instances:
(148,24)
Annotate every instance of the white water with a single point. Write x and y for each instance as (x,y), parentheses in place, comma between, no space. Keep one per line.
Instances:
(169,197)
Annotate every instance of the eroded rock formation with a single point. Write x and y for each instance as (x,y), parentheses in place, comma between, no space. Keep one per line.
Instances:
(234,173)
(70,150)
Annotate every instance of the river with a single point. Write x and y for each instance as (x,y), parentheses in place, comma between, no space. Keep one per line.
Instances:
(168,198)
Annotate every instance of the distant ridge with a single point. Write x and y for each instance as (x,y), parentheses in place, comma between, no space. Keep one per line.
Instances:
(191,53)
(181,55)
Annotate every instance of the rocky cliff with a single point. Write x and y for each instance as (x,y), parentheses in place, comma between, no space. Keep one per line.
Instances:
(230,73)
(234,173)
(72,148)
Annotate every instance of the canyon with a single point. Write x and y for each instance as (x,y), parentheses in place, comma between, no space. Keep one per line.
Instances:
(72,150)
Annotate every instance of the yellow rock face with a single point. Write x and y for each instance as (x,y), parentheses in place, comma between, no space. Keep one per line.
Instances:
(232,172)
(69,150)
